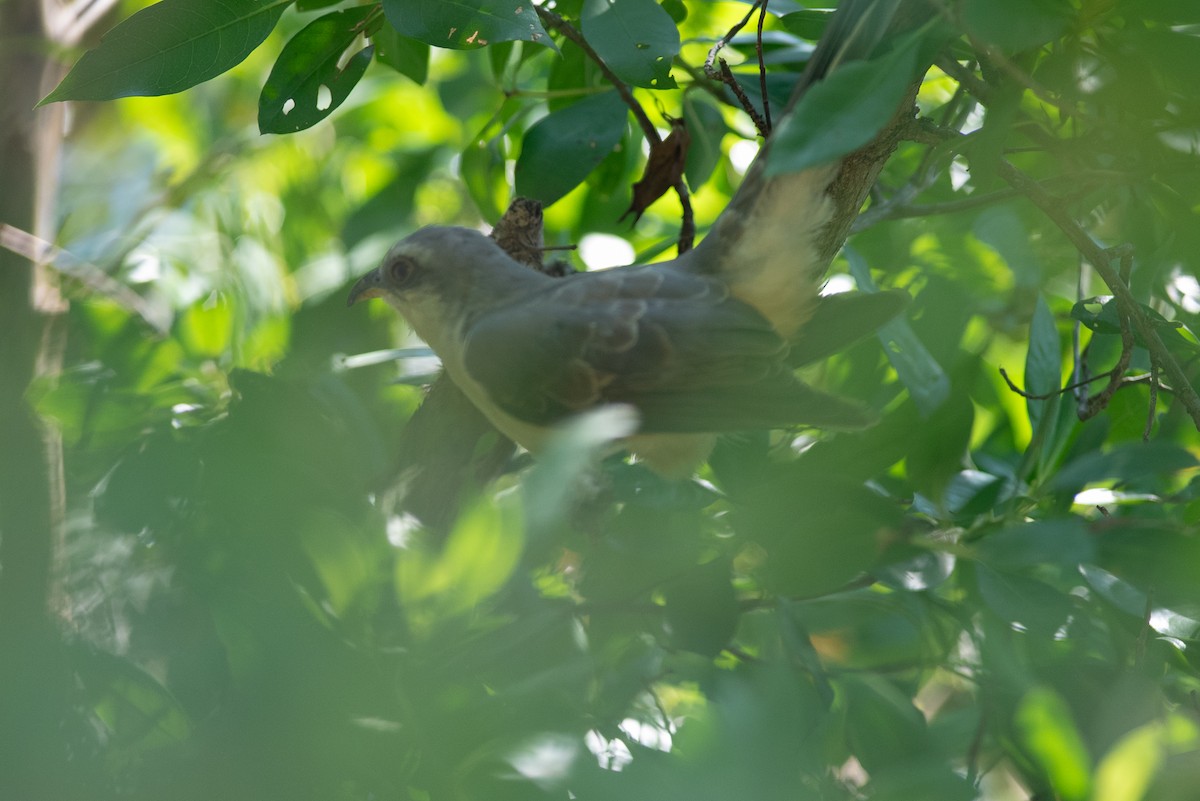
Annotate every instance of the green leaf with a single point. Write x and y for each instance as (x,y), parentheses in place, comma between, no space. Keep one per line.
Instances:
(1018,599)
(466,24)
(477,560)
(561,149)
(1062,542)
(841,320)
(205,329)
(1016,25)
(1048,732)
(405,55)
(938,454)
(701,608)
(169,47)
(552,486)
(1127,462)
(1043,369)
(309,79)
(636,38)
(844,111)
(920,373)
(707,128)
(819,532)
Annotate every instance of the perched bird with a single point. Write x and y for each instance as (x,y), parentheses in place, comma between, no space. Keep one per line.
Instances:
(697,345)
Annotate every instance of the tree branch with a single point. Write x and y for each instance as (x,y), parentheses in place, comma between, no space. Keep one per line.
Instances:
(1101,260)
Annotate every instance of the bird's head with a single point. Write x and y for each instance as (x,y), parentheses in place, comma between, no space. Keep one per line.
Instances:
(440,276)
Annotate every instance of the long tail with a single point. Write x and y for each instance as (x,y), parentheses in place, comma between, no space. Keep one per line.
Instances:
(764,245)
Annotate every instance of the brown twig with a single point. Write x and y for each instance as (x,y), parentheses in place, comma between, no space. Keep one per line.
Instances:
(1101,261)
(723,74)
(1099,401)
(687,225)
(762,68)
(557,23)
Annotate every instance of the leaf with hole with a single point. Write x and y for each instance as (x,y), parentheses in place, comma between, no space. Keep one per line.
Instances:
(312,77)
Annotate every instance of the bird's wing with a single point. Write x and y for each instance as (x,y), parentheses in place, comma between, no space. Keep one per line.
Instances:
(674,345)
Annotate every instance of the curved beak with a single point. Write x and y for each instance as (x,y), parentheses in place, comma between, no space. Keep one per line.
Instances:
(369,286)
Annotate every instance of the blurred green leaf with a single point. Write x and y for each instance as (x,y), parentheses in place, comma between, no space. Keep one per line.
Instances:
(1128,770)
(1020,600)
(168,47)
(1126,462)
(1048,732)
(477,560)
(701,608)
(312,75)
(919,371)
(1064,542)
(937,455)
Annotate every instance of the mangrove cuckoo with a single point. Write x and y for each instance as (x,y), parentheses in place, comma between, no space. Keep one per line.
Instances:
(697,345)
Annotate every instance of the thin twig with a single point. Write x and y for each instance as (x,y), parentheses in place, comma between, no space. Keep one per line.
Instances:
(1048,395)
(687,225)
(709,70)
(722,73)
(93,277)
(727,78)
(1099,401)
(762,68)
(1100,259)
(555,22)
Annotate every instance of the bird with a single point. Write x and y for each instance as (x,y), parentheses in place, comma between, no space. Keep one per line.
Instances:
(698,345)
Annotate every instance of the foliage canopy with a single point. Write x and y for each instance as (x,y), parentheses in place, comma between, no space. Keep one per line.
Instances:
(984,596)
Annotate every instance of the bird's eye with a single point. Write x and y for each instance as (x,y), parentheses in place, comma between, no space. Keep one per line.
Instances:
(401,270)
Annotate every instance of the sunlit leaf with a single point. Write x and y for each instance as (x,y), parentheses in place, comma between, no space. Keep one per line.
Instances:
(476,561)
(1129,768)
(1048,732)
(169,47)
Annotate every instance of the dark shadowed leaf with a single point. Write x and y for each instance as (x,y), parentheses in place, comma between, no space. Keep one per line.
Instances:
(405,55)
(707,128)
(562,148)
(1043,368)
(1017,24)
(1125,462)
(466,24)
(169,47)
(1062,542)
